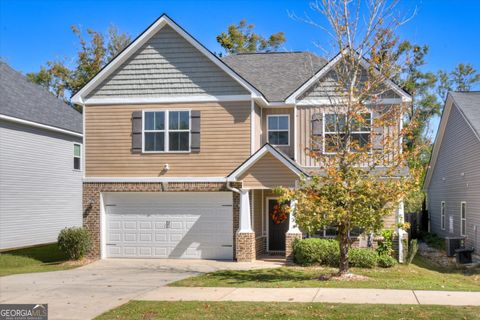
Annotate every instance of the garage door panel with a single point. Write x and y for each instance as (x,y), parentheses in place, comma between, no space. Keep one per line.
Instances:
(170,225)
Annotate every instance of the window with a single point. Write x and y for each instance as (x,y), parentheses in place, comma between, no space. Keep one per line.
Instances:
(278,129)
(165,131)
(335,127)
(77,155)
(442,215)
(463,218)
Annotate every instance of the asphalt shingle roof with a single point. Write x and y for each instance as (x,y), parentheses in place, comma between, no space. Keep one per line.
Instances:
(469,104)
(276,74)
(25,100)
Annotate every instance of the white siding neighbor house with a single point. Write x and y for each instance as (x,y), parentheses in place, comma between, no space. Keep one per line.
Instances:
(453,178)
(40,163)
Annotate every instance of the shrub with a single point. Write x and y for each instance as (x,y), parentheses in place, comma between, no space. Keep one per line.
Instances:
(74,242)
(362,258)
(412,251)
(313,250)
(385,246)
(434,241)
(386,261)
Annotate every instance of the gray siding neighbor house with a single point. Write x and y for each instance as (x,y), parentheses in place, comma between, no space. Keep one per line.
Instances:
(40,163)
(453,178)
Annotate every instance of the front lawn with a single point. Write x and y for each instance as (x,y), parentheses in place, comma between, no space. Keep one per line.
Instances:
(35,259)
(420,275)
(289,310)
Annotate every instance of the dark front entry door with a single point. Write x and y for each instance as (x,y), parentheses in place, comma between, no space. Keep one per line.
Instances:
(276,232)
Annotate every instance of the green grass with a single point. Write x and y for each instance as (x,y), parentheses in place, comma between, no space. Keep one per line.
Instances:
(289,310)
(420,275)
(35,259)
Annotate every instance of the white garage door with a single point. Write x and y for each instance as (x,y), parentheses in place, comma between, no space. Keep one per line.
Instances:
(191,225)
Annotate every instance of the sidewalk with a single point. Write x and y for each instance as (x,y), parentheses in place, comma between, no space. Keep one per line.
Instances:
(329,295)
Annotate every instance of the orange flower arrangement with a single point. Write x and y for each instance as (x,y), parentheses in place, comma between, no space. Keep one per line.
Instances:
(280,213)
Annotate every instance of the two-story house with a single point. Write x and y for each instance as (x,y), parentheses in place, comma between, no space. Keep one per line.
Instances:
(183,149)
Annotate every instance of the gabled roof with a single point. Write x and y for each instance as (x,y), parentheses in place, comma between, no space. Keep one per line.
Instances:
(310,82)
(468,103)
(276,74)
(24,100)
(267,148)
(79,97)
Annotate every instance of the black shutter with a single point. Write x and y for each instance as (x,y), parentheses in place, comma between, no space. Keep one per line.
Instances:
(317,131)
(137,132)
(195,131)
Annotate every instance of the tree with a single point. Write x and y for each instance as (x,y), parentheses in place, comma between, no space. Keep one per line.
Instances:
(94,53)
(241,38)
(361,160)
(462,78)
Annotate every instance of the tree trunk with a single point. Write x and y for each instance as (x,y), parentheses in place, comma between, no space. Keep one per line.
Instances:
(344,244)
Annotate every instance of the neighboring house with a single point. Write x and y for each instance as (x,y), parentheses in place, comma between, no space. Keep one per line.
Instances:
(453,178)
(183,149)
(40,163)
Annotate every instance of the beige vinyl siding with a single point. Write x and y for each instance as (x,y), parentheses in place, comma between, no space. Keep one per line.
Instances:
(167,65)
(304,137)
(258,128)
(225,142)
(289,151)
(328,87)
(257,212)
(267,173)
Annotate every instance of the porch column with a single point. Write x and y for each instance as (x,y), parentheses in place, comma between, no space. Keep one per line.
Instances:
(292,233)
(402,234)
(245,216)
(245,237)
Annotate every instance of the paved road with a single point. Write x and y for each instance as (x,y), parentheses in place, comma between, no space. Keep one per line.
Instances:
(86,292)
(326,295)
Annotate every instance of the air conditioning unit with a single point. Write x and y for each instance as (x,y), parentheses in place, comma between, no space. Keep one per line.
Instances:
(454,243)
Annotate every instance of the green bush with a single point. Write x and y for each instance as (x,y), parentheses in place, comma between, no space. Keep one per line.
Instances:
(74,242)
(412,251)
(385,246)
(434,241)
(386,261)
(362,258)
(316,251)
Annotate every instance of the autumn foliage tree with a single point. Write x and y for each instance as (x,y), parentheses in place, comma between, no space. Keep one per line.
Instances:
(363,166)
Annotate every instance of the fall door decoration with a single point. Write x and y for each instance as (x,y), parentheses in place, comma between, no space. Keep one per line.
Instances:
(280,213)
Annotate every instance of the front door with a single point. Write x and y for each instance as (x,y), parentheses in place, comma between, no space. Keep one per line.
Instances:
(276,228)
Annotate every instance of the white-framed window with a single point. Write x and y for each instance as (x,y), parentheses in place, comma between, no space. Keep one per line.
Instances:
(278,129)
(463,218)
(166,131)
(334,127)
(442,215)
(77,156)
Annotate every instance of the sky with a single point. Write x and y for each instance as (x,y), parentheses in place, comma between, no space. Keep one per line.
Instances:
(33,32)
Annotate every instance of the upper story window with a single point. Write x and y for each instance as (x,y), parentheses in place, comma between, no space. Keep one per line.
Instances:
(166,131)
(335,131)
(278,127)
(77,156)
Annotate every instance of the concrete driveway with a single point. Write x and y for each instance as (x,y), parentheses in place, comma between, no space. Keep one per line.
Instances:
(88,291)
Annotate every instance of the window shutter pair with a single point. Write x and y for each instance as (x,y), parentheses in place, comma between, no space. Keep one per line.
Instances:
(317,131)
(137,131)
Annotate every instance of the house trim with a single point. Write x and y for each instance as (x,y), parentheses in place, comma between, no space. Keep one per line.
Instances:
(78,98)
(292,98)
(152,179)
(39,125)
(174,99)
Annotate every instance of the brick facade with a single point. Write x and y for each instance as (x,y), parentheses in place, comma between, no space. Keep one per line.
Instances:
(289,239)
(91,203)
(245,246)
